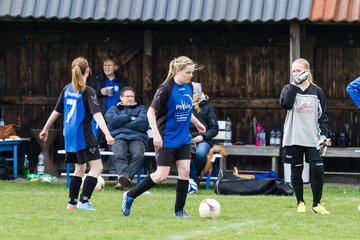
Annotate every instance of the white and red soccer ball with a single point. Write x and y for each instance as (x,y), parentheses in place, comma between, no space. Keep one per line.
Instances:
(209,208)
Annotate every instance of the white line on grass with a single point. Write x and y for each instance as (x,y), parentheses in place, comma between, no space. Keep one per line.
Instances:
(210,230)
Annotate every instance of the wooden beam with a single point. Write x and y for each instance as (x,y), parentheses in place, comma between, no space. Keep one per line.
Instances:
(126,56)
(147,69)
(28,100)
(254,103)
(294,43)
(271,103)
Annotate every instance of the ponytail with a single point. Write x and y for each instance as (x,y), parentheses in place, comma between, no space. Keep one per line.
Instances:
(79,66)
(179,64)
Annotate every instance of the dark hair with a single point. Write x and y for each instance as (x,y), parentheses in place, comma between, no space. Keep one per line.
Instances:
(126,88)
(110,57)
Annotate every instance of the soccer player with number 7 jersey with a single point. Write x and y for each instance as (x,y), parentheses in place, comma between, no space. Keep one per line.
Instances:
(80,109)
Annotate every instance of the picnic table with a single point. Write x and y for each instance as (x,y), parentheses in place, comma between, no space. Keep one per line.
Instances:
(12,145)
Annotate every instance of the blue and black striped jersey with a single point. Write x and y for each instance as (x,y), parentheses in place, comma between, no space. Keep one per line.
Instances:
(79,125)
(173,103)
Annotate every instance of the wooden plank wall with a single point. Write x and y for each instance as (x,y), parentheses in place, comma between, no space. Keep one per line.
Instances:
(242,82)
(245,68)
(336,62)
(36,67)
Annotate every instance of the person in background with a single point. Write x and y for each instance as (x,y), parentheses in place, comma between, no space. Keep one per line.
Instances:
(353,89)
(305,130)
(169,117)
(107,85)
(128,124)
(202,142)
(79,105)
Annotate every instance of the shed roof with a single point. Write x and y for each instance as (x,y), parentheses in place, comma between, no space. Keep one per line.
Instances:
(336,10)
(158,10)
(183,10)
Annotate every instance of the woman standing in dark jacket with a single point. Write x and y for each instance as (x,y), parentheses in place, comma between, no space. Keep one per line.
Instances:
(204,112)
(107,78)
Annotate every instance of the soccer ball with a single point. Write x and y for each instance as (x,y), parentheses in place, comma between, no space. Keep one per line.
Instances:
(359,208)
(209,208)
(192,186)
(100,183)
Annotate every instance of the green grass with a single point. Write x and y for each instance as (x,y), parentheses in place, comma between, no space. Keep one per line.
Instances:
(37,211)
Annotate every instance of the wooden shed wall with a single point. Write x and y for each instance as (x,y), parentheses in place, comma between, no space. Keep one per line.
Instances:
(245,68)
(240,75)
(35,66)
(336,62)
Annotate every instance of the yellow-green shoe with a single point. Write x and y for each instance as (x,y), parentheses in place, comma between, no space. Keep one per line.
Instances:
(301,207)
(320,209)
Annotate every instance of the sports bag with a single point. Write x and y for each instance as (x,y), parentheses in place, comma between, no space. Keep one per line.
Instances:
(228,184)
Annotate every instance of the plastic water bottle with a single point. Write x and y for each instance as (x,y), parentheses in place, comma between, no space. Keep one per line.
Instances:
(278,137)
(272,138)
(262,138)
(228,131)
(25,170)
(258,133)
(2,123)
(41,164)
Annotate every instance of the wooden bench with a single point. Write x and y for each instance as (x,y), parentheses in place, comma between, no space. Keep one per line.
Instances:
(219,137)
(274,153)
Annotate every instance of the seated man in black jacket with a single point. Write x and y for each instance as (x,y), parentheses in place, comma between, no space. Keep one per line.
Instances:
(128,125)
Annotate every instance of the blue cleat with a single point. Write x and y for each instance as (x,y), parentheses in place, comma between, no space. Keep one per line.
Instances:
(181,213)
(126,204)
(85,206)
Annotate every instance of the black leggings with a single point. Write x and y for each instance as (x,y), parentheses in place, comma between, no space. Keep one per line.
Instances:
(294,155)
(316,179)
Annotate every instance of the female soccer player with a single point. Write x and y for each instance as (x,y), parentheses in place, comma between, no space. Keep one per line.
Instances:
(80,107)
(169,117)
(305,129)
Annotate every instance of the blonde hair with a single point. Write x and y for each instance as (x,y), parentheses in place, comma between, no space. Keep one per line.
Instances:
(78,69)
(180,63)
(197,107)
(306,65)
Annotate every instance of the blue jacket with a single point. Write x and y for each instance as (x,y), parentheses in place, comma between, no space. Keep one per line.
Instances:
(128,122)
(353,90)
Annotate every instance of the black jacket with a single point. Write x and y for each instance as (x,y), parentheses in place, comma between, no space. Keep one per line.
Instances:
(97,82)
(208,118)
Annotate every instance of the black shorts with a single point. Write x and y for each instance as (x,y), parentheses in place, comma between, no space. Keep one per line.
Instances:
(165,156)
(83,156)
(295,155)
